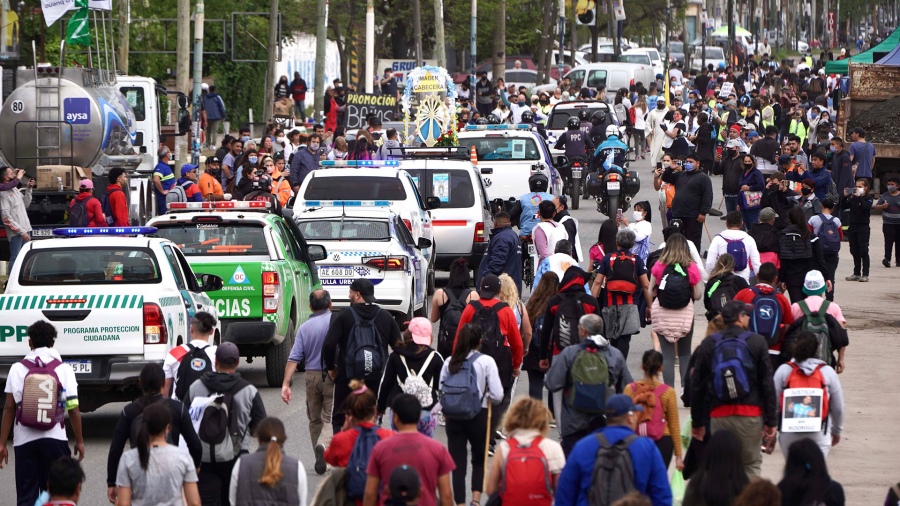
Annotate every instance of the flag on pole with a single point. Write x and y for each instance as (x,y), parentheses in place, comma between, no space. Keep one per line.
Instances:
(667,88)
(78,31)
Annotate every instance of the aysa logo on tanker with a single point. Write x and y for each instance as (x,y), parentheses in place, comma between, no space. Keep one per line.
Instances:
(77,111)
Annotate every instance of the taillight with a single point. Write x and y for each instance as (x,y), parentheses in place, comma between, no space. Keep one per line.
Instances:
(479,232)
(154,325)
(386,263)
(576,164)
(408,225)
(270,291)
(613,177)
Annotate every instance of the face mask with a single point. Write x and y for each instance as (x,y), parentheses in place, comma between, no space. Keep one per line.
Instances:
(252,159)
(805,191)
(814,116)
(719,106)
(891,188)
(270,169)
(521,102)
(245,138)
(280,140)
(859,191)
(313,146)
(732,152)
(748,165)
(637,215)
(832,149)
(688,166)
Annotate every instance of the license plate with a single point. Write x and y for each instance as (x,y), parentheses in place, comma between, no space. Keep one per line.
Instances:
(531,249)
(42,232)
(336,272)
(612,185)
(576,173)
(80,366)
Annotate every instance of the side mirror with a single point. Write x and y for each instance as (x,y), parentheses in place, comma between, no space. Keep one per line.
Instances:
(423,243)
(562,161)
(316,252)
(432,203)
(210,282)
(183,101)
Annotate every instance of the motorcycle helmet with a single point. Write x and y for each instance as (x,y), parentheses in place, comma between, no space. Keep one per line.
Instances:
(573,123)
(583,115)
(481,121)
(598,118)
(538,182)
(493,119)
(527,117)
(263,182)
(612,130)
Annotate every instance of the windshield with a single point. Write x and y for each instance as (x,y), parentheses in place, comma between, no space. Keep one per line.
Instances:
(89,266)
(218,239)
(559,117)
(452,186)
(674,47)
(355,188)
(712,53)
(636,58)
(502,147)
(345,230)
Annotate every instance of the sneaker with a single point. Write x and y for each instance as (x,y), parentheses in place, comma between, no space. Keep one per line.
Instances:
(553,423)
(441,421)
(852,278)
(491,451)
(864,279)
(499,435)
(320,459)
(887,263)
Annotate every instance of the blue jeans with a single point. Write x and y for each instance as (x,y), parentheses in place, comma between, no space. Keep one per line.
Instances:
(731,203)
(300,109)
(751,217)
(15,245)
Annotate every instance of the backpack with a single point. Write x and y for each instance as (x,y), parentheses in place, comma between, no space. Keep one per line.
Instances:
(720,292)
(193,365)
(570,309)
(493,342)
(632,116)
(653,257)
(613,475)
(415,385)
(107,207)
(216,424)
(817,323)
(622,273)
(652,421)
(621,113)
(450,322)
(674,290)
(829,234)
(736,248)
(177,193)
(365,355)
(359,461)
(589,378)
(792,246)
(767,316)
(798,379)
(526,475)
(42,405)
(78,214)
(459,392)
(731,367)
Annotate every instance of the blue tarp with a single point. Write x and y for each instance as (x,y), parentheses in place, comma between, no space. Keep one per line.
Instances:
(892,58)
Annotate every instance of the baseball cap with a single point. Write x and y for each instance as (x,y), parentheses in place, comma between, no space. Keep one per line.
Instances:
(620,404)
(733,143)
(227,352)
(814,284)
(87,183)
(821,72)
(767,214)
(204,86)
(752,134)
(404,483)
(187,168)
(736,127)
(213,159)
(365,288)
(420,328)
(490,287)
(783,159)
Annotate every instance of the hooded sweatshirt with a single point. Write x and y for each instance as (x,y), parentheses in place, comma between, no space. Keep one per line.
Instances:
(571,286)
(248,404)
(118,203)
(342,324)
(832,387)
(385,153)
(13,205)
(94,209)
(395,373)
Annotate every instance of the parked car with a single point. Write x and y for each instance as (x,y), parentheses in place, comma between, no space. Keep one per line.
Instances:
(715,56)
(613,75)
(676,52)
(526,78)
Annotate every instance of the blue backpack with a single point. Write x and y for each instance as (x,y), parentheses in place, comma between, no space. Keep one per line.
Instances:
(359,462)
(731,365)
(767,316)
(737,249)
(459,393)
(829,234)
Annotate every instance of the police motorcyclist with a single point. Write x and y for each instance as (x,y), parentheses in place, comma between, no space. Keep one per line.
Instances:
(612,145)
(584,116)
(528,119)
(598,130)
(262,191)
(575,143)
(524,212)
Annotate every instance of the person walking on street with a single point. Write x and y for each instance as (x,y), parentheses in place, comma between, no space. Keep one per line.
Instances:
(746,408)
(859,231)
(766,234)
(65,481)
(769,302)
(200,353)
(319,385)
(738,243)
(563,310)
(13,205)
(504,255)
(720,476)
(752,184)
(547,288)
(298,93)
(827,227)
(37,443)
(117,201)
(665,190)
(345,352)
(359,408)
(448,303)
(268,476)
(806,479)
(889,204)
(732,168)
(576,483)
(662,427)
(214,107)
(693,197)
(800,252)
(841,171)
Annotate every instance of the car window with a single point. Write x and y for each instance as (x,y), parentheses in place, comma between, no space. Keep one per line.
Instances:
(355,188)
(135,98)
(89,266)
(452,186)
(597,79)
(559,116)
(403,233)
(200,239)
(347,229)
(192,283)
(636,58)
(654,55)
(500,147)
(576,76)
(416,193)
(172,259)
(293,249)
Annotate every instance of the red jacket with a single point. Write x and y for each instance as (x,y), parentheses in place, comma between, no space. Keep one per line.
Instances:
(746,295)
(508,327)
(118,204)
(338,452)
(94,209)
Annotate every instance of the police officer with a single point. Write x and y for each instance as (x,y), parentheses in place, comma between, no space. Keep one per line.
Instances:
(611,146)
(598,130)
(524,212)
(585,117)
(528,119)
(575,143)
(262,191)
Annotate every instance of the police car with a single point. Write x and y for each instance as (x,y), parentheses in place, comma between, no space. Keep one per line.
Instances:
(368,239)
(507,156)
(268,271)
(369,181)
(118,303)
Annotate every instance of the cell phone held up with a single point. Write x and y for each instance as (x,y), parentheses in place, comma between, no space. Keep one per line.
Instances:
(619,214)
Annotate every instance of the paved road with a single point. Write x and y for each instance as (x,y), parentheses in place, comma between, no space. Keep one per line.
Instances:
(862,461)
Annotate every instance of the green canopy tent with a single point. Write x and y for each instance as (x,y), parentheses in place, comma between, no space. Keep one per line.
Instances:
(872,55)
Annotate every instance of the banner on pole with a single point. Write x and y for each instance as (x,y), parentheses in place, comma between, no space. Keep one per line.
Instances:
(53,10)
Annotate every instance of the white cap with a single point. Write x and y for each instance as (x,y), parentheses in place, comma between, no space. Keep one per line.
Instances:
(733,143)
(821,72)
(814,282)
(843,51)
(204,86)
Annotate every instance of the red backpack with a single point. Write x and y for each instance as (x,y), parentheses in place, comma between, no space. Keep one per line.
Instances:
(42,406)
(526,477)
(652,421)
(799,379)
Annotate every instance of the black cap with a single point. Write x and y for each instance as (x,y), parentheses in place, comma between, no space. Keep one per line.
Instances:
(404,483)
(490,287)
(227,353)
(365,288)
(212,159)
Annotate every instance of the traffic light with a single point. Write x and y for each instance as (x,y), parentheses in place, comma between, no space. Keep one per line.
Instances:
(586,13)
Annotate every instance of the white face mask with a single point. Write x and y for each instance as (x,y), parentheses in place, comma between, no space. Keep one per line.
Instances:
(270,169)
(637,215)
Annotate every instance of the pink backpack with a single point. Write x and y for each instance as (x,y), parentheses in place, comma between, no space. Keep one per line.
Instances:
(42,401)
(652,421)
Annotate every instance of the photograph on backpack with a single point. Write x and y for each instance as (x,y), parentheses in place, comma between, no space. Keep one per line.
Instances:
(802,410)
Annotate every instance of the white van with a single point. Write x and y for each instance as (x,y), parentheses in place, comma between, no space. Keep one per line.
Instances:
(613,75)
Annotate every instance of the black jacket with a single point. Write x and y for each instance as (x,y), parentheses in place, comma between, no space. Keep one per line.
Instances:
(571,230)
(395,373)
(860,212)
(336,340)
(693,192)
(572,285)
(731,175)
(704,142)
(781,202)
(798,267)
(503,256)
(766,237)
(729,278)
(768,148)
(762,385)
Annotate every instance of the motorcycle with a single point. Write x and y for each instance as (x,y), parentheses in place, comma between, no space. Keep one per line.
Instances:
(614,189)
(573,184)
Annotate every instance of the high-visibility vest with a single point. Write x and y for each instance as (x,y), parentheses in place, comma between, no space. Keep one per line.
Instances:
(799,129)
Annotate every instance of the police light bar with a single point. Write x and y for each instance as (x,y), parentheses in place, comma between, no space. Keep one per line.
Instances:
(82,231)
(255,205)
(473,128)
(346,203)
(359,163)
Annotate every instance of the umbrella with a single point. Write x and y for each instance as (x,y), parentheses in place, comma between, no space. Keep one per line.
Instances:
(723,31)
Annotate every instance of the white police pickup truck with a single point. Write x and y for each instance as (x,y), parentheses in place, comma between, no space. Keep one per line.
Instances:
(118,303)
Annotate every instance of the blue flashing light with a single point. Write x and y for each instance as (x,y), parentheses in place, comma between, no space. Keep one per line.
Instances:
(105,231)
(346,203)
(474,128)
(359,163)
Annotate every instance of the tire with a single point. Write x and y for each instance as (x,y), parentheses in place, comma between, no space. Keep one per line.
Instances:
(575,188)
(612,203)
(430,285)
(276,358)
(528,272)
(403,318)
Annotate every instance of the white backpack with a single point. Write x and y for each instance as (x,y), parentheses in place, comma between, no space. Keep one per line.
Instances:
(415,385)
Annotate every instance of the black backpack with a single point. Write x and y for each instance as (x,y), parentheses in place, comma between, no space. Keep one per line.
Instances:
(194,364)
(107,207)
(78,214)
(674,291)
(792,246)
(719,291)
(450,321)
(365,355)
(569,311)
(493,342)
(613,475)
